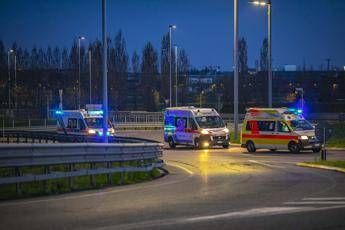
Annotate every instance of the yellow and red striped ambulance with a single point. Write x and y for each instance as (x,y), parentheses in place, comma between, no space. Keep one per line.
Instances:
(278,129)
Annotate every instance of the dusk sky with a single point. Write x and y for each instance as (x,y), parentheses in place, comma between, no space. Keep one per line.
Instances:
(310,30)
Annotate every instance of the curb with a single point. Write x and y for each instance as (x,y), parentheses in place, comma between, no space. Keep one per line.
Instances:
(335,149)
(321,167)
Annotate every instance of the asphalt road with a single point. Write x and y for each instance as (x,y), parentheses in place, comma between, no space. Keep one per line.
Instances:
(216,188)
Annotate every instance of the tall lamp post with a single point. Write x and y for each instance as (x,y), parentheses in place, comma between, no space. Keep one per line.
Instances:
(236,68)
(171,27)
(9,76)
(79,39)
(105,71)
(90,76)
(176,83)
(268,4)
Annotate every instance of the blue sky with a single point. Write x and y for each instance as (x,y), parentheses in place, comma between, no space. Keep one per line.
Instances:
(303,30)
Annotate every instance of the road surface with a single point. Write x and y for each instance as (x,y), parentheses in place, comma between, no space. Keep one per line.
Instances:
(217,188)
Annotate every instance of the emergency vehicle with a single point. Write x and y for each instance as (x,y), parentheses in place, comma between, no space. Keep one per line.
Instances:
(278,129)
(198,127)
(87,121)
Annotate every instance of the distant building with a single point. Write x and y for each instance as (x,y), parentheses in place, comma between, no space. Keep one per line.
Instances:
(290,67)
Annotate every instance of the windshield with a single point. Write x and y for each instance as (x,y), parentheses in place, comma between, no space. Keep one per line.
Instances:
(300,125)
(210,122)
(95,122)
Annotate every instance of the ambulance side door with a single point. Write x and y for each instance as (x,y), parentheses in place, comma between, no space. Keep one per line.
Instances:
(285,135)
(180,133)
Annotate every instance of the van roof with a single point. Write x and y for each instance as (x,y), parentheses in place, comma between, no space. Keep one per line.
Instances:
(273,113)
(191,109)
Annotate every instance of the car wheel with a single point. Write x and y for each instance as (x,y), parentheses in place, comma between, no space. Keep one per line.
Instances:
(294,147)
(197,143)
(273,150)
(316,150)
(250,147)
(171,143)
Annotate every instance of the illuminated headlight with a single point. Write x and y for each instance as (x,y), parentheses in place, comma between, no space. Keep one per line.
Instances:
(92,131)
(204,131)
(304,137)
(226,130)
(206,144)
(112,131)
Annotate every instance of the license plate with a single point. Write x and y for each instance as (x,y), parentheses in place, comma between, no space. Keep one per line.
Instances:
(219,142)
(317,145)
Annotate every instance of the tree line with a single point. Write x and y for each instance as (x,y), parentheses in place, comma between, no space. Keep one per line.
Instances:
(43,71)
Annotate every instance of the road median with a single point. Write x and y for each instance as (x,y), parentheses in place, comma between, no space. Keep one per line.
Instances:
(338,166)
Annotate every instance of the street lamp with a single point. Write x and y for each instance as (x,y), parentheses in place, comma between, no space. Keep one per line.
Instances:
(79,39)
(171,27)
(268,4)
(176,84)
(90,75)
(201,93)
(9,52)
(236,68)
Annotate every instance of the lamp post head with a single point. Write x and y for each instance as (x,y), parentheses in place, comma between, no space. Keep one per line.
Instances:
(260,3)
(82,37)
(173,26)
(11,51)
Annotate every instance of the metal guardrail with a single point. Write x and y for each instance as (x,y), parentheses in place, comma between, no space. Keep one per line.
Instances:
(130,157)
(13,136)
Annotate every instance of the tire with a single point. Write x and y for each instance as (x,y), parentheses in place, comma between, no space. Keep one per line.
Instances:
(250,147)
(171,142)
(273,150)
(197,143)
(316,150)
(226,146)
(294,147)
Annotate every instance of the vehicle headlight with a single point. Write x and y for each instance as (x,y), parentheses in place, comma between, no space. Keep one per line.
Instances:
(112,131)
(92,131)
(226,130)
(204,131)
(304,137)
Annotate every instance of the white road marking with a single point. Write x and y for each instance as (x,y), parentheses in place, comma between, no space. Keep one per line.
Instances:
(247,213)
(316,202)
(267,165)
(324,198)
(256,212)
(181,167)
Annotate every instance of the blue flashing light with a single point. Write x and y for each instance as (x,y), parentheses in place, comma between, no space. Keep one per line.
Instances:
(100,134)
(108,133)
(58,112)
(95,112)
(299,111)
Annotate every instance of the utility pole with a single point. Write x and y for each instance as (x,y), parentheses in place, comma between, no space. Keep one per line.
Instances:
(269,13)
(105,72)
(176,83)
(236,68)
(90,77)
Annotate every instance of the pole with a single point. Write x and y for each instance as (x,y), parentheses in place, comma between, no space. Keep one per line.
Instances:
(236,68)
(176,83)
(15,81)
(170,93)
(78,72)
(269,12)
(9,79)
(105,70)
(90,75)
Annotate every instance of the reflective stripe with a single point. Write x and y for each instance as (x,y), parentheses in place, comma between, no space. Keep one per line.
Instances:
(270,136)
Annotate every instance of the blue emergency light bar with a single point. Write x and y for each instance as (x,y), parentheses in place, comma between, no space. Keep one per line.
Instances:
(295,111)
(95,112)
(58,112)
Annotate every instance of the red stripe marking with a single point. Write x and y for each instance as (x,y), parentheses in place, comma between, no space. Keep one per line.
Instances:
(270,136)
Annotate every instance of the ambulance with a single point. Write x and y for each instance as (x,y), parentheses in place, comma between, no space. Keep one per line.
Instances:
(278,129)
(198,127)
(87,121)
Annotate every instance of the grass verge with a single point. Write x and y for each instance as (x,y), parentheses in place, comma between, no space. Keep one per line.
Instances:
(59,186)
(331,163)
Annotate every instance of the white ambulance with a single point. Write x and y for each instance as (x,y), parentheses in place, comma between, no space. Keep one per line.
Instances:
(278,129)
(198,127)
(87,121)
